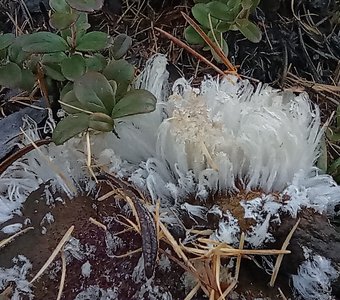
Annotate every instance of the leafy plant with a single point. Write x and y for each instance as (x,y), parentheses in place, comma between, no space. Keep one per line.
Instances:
(217,17)
(333,136)
(94,90)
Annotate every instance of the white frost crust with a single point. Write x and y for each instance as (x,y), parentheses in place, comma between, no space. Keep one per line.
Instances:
(62,166)
(225,132)
(314,279)
(18,274)
(95,292)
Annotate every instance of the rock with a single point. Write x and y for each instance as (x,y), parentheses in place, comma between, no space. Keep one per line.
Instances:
(10,127)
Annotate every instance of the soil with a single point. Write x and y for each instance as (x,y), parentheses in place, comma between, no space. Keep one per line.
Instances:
(107,271)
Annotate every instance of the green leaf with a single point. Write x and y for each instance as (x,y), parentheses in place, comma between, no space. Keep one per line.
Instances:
(333,134)
(251,31)
(338,116)
(86,5)
(334,168)
(6,40)
(114,88)
(234,4)
(122,73)
(59,6)
(3,54)
(134,102)
(220,11)
(254,5)
(44,42)
(120,46)
(54,71)
(81,26)
(71,99)
(15,52)
(101,122)
(69,127)
(10,75)
(66,88)
(200,11)
(93,41)
(193,37)
(94,91)
(222,26)
(27,80)
(322,162)
(61,20)
(96,63)
(73,67)
(53,58)
(247,4)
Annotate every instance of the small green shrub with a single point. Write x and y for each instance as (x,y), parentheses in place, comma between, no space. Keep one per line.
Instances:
(218,17)
(94,90)
(333,136)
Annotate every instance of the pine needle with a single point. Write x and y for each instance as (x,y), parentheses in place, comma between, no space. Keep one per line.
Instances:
(89,156)
(239,257)
(54,253)
(8,240)
(63,274)
(193,292)
(97,223)
(280,257)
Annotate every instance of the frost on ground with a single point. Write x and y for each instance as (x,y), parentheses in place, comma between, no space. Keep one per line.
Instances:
(95,292)
(314,278)
(222,138)
(18,274)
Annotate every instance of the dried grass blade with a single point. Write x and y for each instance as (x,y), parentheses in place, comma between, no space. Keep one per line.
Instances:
(239,257)
(280,257)
(6,241)
(176,247)
(97,223)
(235,252)
(54,253)
(63,274)
(127,253)
(107,195)
(282,294)
(217,266)
(193,292)
(211,44)
(212,294)
(190,50)
(228,290)
(89,156)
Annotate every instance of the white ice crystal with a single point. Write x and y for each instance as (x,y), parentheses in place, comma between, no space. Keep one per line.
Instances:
(86,269)
(95,292)
(12,228)
(314,278)
(18,274)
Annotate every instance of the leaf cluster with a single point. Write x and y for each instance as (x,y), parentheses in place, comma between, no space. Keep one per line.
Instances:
(333,136)
(94,90)
(217,17)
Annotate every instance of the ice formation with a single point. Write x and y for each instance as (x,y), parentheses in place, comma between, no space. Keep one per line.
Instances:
(314,278)
(18,274)
(215,139)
